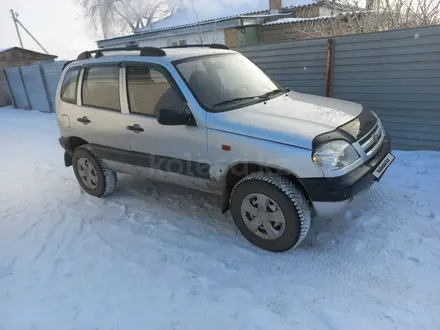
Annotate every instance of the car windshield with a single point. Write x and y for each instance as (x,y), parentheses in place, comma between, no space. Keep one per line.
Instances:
(225,82)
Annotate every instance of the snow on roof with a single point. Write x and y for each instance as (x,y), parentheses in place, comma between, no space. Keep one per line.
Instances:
(4,49)
(305,19)
(295,19)
(197,11)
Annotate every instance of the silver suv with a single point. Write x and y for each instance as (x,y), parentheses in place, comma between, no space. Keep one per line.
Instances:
(210,119)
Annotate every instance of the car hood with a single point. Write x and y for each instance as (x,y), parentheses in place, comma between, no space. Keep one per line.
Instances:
(294,118)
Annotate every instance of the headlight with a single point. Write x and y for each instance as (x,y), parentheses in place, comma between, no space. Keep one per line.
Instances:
(334,155)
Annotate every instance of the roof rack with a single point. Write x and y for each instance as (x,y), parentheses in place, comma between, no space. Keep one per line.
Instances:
(145,51)
(215,46)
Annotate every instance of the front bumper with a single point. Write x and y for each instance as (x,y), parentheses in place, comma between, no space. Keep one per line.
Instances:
(331,196)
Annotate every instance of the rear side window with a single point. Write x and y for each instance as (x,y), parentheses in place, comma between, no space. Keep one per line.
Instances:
(100,87)
(149,90)
(69,87)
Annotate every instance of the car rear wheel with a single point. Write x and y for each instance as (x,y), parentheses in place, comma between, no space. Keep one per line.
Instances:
(270,211)
(92,174)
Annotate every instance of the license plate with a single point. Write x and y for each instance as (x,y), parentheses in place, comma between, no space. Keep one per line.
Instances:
(383,165)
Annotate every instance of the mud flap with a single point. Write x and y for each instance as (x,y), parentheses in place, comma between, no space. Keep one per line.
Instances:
(224,200)
(67,159)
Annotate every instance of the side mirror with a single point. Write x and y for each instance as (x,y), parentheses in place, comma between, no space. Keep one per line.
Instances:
(172,117)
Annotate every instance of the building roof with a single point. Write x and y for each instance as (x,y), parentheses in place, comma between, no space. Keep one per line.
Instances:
(27,50)
(204,11)
(290,20)
(295,20)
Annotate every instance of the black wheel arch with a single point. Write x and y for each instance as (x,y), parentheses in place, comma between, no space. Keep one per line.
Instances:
(238,171)
(70,144)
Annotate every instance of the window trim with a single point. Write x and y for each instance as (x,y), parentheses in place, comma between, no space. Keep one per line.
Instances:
(94,65)
(163,70)
(75,100)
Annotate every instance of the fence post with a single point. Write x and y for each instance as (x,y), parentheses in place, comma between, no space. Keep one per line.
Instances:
(25,90)
(9,88)
(46,88)
(329,68)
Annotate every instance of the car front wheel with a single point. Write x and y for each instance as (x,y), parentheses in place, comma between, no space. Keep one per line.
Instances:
(270,211)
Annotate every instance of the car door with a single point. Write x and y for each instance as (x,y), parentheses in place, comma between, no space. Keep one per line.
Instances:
(98,118)
(175,154)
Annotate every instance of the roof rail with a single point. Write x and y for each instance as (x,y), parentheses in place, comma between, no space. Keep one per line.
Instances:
(215,46)
(145,51)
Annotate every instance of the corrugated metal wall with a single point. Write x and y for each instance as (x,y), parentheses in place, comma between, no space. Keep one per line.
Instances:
(298,65)
(15,83)
(396,73)
(52,73)
(34,86)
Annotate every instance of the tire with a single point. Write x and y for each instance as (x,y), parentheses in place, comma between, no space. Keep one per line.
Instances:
(104,180)
(283,197)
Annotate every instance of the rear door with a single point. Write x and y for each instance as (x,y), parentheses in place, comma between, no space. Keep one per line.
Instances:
(98,118)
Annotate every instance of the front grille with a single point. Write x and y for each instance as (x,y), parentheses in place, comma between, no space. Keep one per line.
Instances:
(370,141)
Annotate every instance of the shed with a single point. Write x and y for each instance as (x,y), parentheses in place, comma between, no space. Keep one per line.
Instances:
(16,56)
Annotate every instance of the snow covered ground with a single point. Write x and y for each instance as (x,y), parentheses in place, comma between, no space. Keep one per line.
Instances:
(157,257)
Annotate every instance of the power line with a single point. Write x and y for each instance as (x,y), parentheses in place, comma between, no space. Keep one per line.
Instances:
(16,23)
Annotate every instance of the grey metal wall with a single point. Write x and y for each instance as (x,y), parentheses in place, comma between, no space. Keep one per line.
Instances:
(15,83)
(396,73)
(52,73)
(298,65)
(34,86)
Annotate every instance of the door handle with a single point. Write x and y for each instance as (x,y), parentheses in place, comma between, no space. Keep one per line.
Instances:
(135,128)
(84,120)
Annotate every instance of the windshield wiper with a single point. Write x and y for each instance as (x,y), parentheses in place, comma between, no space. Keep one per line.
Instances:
(241,99)
(263,96)
(275,91)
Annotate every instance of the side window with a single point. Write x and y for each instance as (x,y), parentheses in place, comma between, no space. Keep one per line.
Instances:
(100,87)
(69,87)
(149,90)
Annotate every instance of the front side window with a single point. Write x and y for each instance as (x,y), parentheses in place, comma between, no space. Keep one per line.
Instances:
(226,81)
(69,87)
(150,90)
(101,87)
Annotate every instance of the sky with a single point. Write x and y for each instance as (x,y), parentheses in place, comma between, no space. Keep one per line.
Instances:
(56,24)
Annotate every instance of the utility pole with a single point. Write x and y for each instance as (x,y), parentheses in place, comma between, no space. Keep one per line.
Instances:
(16,21)
(14,18)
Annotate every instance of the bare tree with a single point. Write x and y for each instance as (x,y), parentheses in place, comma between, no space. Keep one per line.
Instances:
(116,17)
(203,30)
(361,17)
(206,34)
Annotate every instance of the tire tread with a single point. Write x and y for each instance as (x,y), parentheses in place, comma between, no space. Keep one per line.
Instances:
(293,194)
(110,176)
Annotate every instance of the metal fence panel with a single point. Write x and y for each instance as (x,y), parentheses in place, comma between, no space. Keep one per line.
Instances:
(52,73)
(16,87)
(298,65)
(396,73)
(33,82)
